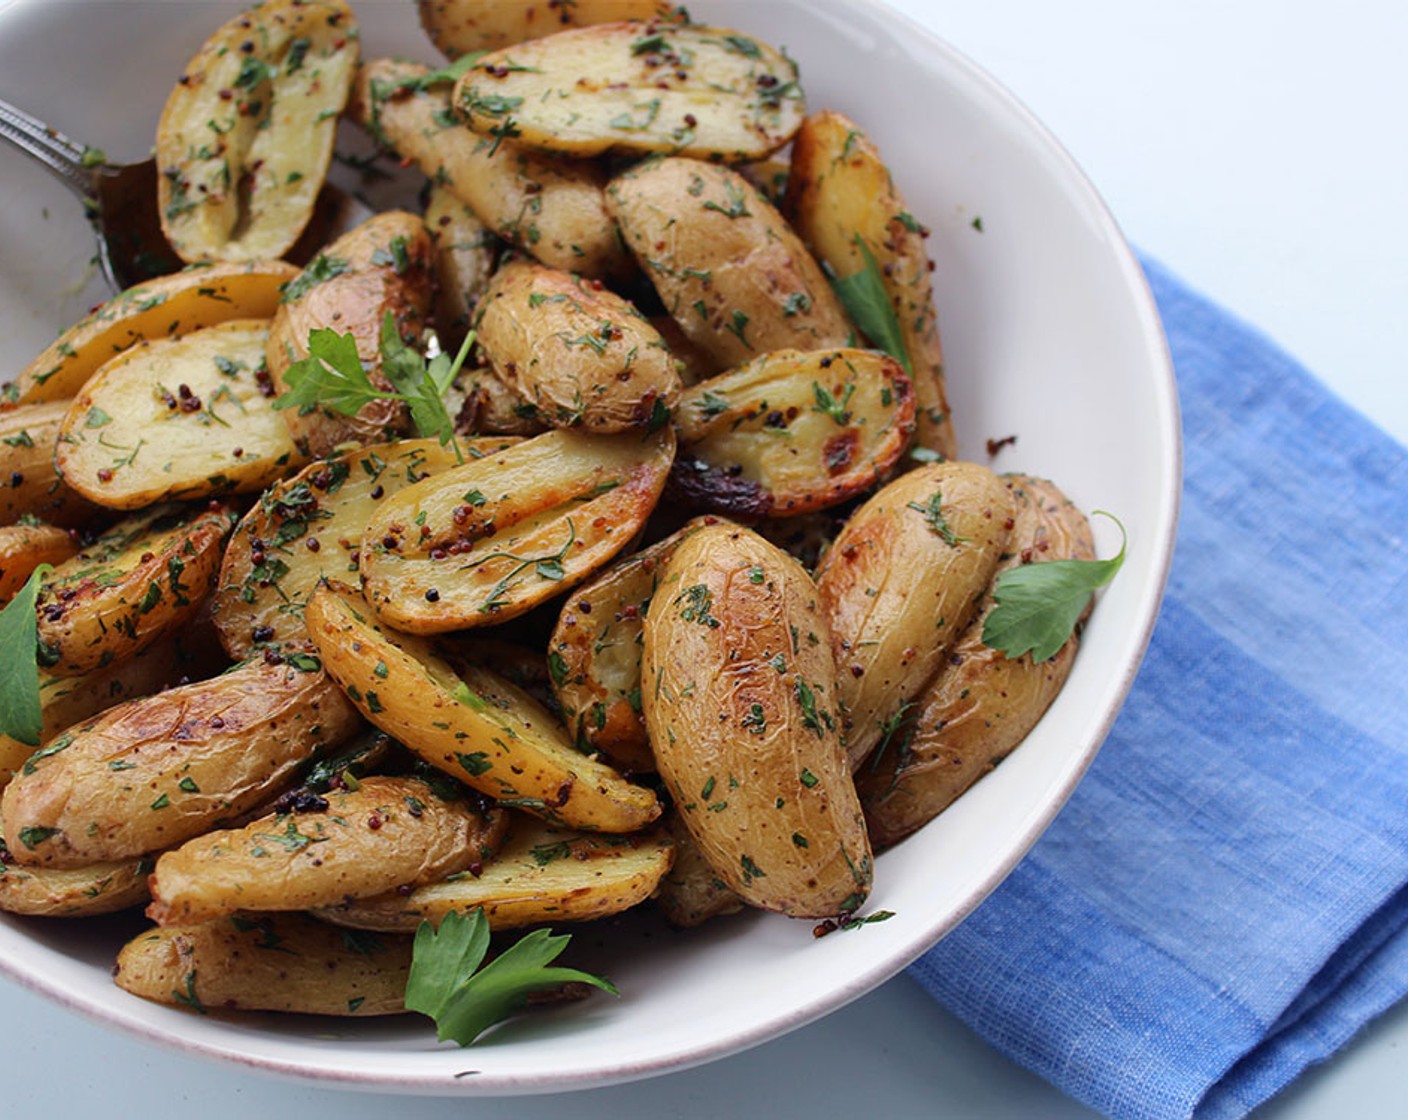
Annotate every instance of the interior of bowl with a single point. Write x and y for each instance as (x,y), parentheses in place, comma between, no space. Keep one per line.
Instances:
(1049,335)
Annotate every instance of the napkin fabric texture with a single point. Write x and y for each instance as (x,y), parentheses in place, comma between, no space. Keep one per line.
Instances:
(1224,900)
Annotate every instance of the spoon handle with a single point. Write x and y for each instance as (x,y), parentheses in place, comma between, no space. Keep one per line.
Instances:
(50,147)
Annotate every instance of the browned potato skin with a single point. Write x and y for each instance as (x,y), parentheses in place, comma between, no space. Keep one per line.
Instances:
(266,962)
(691,892)
(356,301)
(897,594)
(465,255)
(728,267)
(30,485)
(23,548)
(98,607)
(542,874)
(751,753)
(155,771)
(583,356)
(839,188)
(550,207)
(457,27)
(983,703)
(386,834)
(84,892)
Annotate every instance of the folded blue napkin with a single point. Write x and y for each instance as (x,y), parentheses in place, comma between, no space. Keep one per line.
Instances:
(1224,900)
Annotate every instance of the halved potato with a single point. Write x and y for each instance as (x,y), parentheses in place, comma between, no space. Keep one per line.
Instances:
(384,266)
(465,251)
(471,724)
(384,834)
(839,196)
(24,547)
(706,92)
(30,485)
(168,307)
(142,579)
(246,135)
(728,267)
(267,962)
(156,771)
(982,704)
(81,892)
(542,874)
(551,208)
(792,432)
(901,583)
(457,27)
(582,355)
(490,540)
(186,417)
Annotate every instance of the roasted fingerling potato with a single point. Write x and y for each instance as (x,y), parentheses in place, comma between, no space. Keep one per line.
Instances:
(30,484)
(459,27)
(24,547)
(465,254)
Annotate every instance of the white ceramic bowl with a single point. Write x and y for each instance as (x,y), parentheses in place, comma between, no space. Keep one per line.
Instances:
(1050,335)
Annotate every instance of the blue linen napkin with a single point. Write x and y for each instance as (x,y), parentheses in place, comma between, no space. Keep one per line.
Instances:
(1224,900)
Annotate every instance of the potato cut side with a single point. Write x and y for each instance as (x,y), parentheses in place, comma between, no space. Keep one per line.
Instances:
(180,418)
(706,92)
(550,207)
(902,581)
(384,834)
(792,432)
(595,650)
(728,267)
(581,355)
(740,699)
(840,196)
(457,27)
(492,539)
(309,528)
(465,253)
(142,579)
(267,962)
(156,771)
(24,547)
(167,307)
(245,138)
(543,874)
(982,703)
(472,724)
(30,486)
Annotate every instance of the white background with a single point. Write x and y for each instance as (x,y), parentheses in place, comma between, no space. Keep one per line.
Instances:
(1257,147)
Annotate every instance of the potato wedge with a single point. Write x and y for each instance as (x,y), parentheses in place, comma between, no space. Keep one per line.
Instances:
(309,528)
(901,583)
(542,874)
(583,356)
(490,540)
(156,771)
(30,485)
(384,266)
(142,579)
(728,268)
(267,962)
(465,252)
(706,92)
(982,704)
(594,655)
(24,547)
(691,892)
(551,208)
(471,724)
(792,432)
(457,27)
(180,418)
(245,138)
(385,834)
(82,892)
(168,307)
(741,702)
(840,190)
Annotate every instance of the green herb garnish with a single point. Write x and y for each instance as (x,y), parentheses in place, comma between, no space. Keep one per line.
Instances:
(868,304)
(21,713)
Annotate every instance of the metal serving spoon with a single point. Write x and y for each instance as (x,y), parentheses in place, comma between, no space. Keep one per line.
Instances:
(120,201)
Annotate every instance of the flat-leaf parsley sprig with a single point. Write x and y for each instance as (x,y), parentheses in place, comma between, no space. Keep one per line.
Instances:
(333,376)
(1038,604)
(450,983)
(21,711)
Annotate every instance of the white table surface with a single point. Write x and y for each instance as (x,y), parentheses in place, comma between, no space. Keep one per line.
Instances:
(1257,148)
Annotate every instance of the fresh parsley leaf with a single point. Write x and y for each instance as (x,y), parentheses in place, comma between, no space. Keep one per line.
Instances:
(867,303)
(331,375)
(450,983)
(21,714)
(1038,604)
